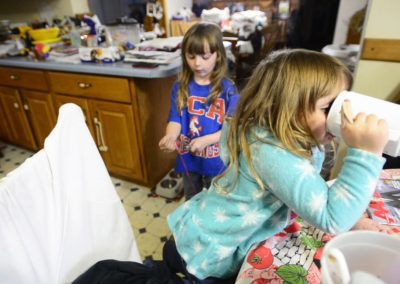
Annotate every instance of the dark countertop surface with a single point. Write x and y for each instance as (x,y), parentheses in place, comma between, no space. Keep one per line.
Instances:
(113,69)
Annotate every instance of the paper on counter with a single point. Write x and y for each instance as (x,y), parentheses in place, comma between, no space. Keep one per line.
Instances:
(156,57)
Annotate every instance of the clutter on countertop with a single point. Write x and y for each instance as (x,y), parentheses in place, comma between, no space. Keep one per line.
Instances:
(6,48)
(45,35)
(126,32)
(41,51)
(184,14)
(85,38)
(151,56)
(161,44)
(215,15)
(100,54)
(156,51)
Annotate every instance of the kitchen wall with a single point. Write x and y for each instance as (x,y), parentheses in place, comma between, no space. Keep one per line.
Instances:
(380,79)
(27,10)
(79,6)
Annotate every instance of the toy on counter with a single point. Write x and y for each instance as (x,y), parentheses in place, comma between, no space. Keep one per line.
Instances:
(91,39)
(41,51)
(97,46)
(100,54)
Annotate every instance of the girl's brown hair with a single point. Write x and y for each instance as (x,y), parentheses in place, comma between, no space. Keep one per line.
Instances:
(281,92)
(199,39)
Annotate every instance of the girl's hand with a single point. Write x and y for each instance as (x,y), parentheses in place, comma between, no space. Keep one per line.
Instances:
(167,143)
(198,144)
(366,223)
(365,132)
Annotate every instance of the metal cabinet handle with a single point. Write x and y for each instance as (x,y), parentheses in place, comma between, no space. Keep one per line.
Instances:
(26,107)
(84,85)
(99,134)
(16,105)
(14,77)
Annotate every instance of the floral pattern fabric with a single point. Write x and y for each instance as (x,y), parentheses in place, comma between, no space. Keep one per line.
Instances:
(291,256)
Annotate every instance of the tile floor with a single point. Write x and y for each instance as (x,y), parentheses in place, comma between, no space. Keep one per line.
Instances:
(146,211)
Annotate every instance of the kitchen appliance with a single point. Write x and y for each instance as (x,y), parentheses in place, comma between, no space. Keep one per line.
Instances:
(369,105)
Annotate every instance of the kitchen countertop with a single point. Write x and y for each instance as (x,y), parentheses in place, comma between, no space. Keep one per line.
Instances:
(113,69)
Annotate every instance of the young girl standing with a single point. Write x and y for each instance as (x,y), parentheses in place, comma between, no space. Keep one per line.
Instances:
(199,102)
(272,149)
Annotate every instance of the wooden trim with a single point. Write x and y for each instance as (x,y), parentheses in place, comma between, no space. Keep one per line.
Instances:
(381,49)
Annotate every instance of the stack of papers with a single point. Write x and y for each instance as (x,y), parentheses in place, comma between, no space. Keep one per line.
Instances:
(161,44)
(153,56)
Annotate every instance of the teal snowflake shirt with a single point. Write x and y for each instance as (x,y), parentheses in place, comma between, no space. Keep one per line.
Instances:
(214,230)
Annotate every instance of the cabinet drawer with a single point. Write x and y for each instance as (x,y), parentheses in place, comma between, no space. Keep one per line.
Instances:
(29,79)
(99,87)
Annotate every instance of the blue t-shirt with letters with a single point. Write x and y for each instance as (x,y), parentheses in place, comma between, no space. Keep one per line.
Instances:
(200,118)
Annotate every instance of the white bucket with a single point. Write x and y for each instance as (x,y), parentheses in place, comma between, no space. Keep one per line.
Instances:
(376,254)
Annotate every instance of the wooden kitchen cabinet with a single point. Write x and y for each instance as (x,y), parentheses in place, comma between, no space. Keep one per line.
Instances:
(106,103)
(126,116)
(59,100)
(4,128)
(27,106)
(20,131)
(91,86)
(40,110)
(23,78)
(116,138)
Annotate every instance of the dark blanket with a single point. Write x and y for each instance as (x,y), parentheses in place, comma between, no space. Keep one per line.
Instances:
(126,272)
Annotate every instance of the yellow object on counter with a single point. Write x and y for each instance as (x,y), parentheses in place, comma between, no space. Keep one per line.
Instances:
(48,41)
(44,34)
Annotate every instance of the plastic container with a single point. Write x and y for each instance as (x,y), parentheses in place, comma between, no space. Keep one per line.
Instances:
(126,31)
(369,105)
(374,255)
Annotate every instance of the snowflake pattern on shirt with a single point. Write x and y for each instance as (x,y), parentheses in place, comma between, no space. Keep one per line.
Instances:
(214,231)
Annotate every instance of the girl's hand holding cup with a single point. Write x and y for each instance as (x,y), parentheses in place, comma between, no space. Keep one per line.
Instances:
(366,132)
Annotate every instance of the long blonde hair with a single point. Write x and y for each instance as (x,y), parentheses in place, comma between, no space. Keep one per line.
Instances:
(195,41)
(281,92)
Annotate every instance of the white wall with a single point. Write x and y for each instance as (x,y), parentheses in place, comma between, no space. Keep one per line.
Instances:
(30,10)
(346,9)
(79,6)
(377,78)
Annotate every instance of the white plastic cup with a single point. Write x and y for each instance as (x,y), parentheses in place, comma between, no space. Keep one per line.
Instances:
(374,253)
(369,105)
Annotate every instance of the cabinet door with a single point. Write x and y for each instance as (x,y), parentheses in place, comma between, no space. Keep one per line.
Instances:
(19,127)
(116,138)
(59,100)
(39,108)
(4,129)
